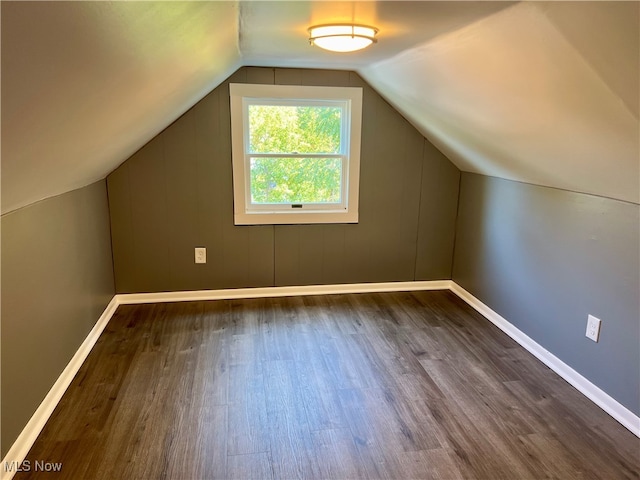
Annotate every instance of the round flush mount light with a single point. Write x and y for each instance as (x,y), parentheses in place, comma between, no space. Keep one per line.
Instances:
(342,38)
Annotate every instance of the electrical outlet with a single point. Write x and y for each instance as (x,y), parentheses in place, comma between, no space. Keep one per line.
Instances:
(593,328)
(201,255)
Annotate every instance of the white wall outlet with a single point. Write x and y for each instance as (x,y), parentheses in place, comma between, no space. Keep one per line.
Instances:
(593,328)
(201,255)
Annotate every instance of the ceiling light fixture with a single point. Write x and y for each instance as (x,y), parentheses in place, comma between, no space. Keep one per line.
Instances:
(342,38)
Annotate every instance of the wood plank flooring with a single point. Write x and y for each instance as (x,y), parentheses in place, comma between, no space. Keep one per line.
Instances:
(394,385)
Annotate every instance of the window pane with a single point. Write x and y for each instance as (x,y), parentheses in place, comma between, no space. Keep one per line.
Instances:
(296,180)
(294,129)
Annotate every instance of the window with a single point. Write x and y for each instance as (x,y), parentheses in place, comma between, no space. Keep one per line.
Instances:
(296,153)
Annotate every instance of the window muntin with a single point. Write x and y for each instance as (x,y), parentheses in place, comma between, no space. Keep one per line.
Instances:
(295,153)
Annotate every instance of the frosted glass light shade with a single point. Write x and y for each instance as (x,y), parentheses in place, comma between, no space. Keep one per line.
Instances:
(342,38)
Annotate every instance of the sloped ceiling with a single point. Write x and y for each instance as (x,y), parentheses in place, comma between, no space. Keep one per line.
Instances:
(539,93)
(86,84)
(544,93)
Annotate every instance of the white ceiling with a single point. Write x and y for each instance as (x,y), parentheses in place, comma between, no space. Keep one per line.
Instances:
(511,96)
(545,93)
(86,84)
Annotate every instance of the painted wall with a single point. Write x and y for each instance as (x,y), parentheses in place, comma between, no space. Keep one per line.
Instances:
(176,193)
(57,278)
(544,259)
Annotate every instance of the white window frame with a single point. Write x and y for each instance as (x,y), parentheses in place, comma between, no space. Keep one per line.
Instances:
(349,99)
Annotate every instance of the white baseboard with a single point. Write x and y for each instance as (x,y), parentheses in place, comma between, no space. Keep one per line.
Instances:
(618,411)
(28,436)
(262,292)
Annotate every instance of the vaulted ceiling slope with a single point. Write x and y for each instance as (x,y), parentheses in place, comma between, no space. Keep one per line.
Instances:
(544,93)
(86,84)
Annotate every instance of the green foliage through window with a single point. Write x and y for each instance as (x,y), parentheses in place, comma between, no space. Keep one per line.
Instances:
(295,130)
(295,180)
(299,129)
(295,153)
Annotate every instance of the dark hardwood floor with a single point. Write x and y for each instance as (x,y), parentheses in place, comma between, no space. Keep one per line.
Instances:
(394,385)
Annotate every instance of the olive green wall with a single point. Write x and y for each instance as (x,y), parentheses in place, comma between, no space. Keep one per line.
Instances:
(544,259)
(176,194)
(57,279)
